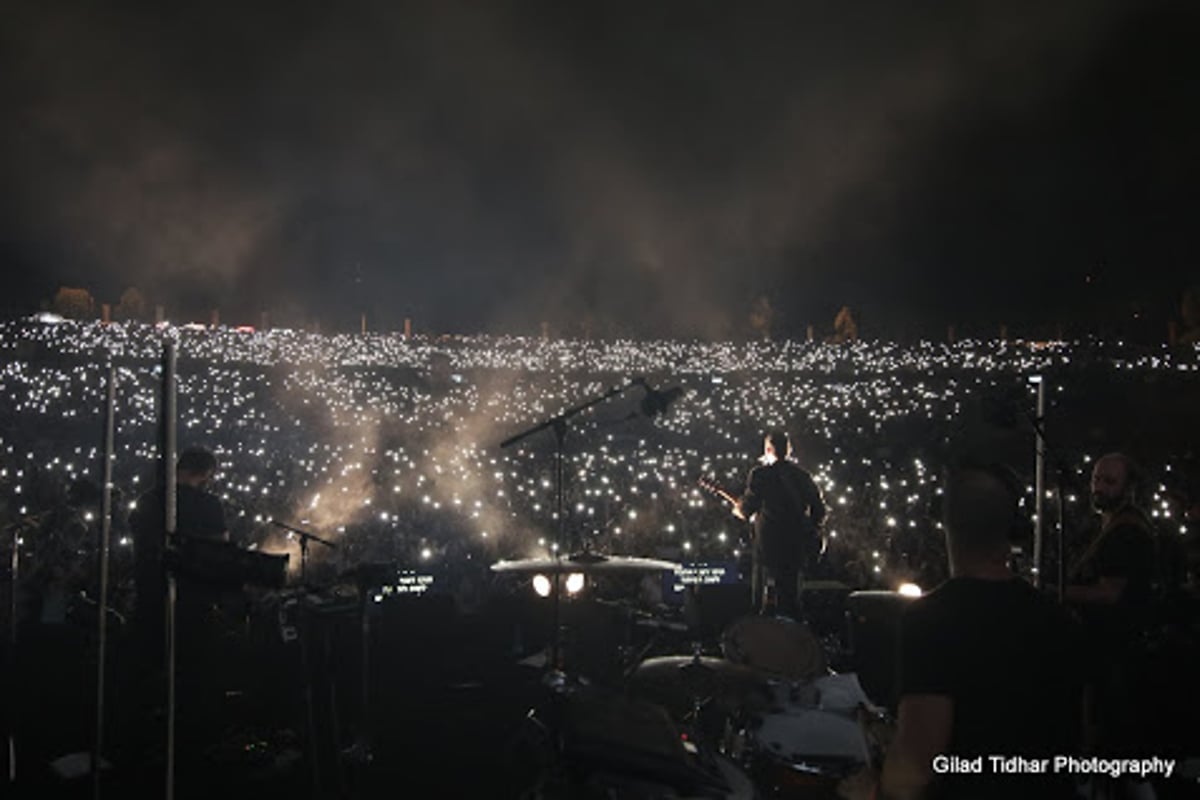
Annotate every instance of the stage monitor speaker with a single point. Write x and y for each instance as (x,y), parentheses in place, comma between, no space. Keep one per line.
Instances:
(713,608)
(874,636)
(823,606)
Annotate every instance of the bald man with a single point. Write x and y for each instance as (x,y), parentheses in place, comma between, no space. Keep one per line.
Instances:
(988,664)
(1112,588)
(1117,570)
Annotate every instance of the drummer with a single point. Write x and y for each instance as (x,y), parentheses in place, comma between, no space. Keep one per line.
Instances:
(988,665)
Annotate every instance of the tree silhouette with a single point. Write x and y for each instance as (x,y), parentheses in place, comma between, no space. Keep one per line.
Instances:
(762,315)
(73,303)
(132,304)
(845,329)
(1189,312)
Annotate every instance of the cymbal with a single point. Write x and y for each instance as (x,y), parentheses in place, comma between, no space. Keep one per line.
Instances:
(675,680)
(588,563)
(690,668)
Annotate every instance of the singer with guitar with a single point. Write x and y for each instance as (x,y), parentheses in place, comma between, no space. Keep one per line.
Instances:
(784,505)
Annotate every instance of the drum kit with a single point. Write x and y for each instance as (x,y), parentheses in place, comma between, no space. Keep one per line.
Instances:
(765,718)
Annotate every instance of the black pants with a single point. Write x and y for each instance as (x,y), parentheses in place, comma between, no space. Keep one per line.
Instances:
(776,588)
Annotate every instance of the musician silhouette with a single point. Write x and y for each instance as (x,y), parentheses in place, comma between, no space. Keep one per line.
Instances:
(198,514)
(199,660)
(785,506)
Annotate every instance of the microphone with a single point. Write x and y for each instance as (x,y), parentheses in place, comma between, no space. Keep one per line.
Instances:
(656,402)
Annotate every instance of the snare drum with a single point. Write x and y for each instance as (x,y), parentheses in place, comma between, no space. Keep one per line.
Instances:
(803,754)
(776,646)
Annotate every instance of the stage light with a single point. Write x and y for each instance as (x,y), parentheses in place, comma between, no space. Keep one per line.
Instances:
(909,590)
(541,585)
(575,583)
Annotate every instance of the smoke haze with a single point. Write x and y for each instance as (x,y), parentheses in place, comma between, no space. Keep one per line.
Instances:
(605,168)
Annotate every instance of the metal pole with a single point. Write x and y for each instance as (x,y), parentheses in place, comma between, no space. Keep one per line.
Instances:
(14,573)
(169,500)
(560,431)
(1062,538)
(105,535)
(1039,481)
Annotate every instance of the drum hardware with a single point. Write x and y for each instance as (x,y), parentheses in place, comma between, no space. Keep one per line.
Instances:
(597,742)
(693,673)
(654,402)
(585,563)
(687,685)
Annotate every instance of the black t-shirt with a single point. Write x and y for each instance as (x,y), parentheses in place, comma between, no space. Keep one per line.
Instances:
(1124,549)
(198,514)
(1127,551)
(789,508)
(1011,661)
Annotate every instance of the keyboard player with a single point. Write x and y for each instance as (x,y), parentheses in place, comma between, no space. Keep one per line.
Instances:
(198,515)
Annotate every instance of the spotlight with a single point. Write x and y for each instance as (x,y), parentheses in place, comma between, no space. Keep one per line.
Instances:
(909,590)
(575,583)
(541,585)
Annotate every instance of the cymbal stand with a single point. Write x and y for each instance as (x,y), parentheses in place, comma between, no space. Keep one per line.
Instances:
(694,673)
(559,424)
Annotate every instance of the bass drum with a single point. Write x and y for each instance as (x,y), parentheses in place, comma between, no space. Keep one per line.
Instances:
(775,646)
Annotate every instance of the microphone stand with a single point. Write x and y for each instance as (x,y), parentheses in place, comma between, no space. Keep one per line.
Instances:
(559,424)
(305,661)
(305,537)
(1039,428)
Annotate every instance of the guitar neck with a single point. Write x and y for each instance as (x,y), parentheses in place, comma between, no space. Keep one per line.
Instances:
(712,488)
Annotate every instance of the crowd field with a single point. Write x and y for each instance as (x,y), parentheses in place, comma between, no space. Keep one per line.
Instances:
(390,445)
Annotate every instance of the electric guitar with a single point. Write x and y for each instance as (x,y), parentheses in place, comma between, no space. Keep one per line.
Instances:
(715,489)
(812,547)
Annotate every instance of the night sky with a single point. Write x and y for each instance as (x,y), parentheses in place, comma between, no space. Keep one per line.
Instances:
(647,168)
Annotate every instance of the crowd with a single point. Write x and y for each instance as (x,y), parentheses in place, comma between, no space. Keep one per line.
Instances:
(389,445)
